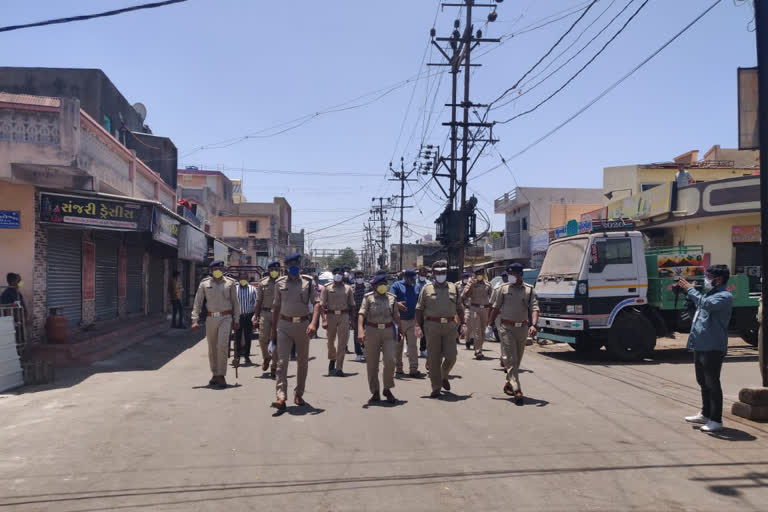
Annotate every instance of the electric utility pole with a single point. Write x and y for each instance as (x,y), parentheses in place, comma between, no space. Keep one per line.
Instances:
(456,224)
(761,33)
(402,177)
(379,214)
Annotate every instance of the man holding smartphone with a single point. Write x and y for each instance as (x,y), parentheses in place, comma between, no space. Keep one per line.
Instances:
(709,342)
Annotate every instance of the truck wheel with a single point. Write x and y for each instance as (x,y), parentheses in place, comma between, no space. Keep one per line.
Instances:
(750,334)
(631,338)
(586,345)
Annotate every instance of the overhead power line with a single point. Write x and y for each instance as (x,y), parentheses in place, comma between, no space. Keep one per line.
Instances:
(575,75)
(337,224)
(85,17)
(605,92)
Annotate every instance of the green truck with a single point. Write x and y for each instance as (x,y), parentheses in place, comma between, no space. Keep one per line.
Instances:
(603,288)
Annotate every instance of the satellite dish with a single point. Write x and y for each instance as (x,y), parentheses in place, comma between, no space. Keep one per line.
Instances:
(141,110)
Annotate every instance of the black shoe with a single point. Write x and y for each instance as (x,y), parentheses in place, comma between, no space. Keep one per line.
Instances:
(272,375)
(331,367)
(339,373)
(446,385)
(399,372)
(390,397)
(468,344)
(435,394)
(248,361)
(478,355)
(293,358)
(374,398)
(236,362)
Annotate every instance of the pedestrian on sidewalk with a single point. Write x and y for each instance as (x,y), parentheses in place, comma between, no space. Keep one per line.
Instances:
(376,327)
(293,325)
(514,304)
(246,295)
(174,290)
(359,292)
(708,340)
(440,310)
(406,297)
(337,299)
(264,317)
(477,298)
(220,295)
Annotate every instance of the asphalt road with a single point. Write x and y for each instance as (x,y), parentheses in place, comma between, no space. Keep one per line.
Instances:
(142,432)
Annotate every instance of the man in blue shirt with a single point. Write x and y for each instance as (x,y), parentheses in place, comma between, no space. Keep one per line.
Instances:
(406,292)
(709,341)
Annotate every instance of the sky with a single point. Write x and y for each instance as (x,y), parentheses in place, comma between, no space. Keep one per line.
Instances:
(332,92)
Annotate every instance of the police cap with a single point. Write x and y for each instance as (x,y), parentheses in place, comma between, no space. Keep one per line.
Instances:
(274,264)
(411,272)
(378,279)
(440,265)
(515,268)
(216,263)
(292,257)
(465,274)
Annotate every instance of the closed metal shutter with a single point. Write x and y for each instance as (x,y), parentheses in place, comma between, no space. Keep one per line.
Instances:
(64,281)
(156,286)
(134,279)
(106,277)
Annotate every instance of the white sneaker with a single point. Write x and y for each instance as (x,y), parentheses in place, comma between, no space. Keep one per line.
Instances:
(358,357)
(423,353)
(712,426)
(699,419)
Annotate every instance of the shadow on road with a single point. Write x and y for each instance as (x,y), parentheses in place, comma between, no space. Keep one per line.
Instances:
(384,404)
(299,410)
(679,355)
(526,401)
(191,494)
(447,396)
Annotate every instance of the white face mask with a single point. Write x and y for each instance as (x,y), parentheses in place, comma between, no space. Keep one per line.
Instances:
(337,277)
(707,284)
(464,280)
(422,278)
(512,279)
(440,278)
(359,280)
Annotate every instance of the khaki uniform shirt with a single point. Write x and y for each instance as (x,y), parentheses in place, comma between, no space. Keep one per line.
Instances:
(337,297)
(514,303)
(218,295)
(440,300)
(267,291)
(480,294)
(379,309)
(294,296)
(460,287)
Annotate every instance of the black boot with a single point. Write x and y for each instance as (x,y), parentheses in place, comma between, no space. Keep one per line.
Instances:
(331,367)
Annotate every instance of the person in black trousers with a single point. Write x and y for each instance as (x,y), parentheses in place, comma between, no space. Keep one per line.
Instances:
(246,295)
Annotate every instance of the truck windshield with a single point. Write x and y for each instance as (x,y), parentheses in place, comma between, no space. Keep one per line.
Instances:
(565,257)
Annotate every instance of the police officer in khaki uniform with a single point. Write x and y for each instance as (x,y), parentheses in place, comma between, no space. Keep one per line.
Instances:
(220,295)
(461,286)
(337,300)
(439,307)
(263,316)
(293,324)
(376,327)
(477,299)
(515,303)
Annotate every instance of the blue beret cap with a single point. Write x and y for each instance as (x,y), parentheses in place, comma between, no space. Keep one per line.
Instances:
(274,264)
(379,278)
(338,270)
(293,257)
(216,263)
(517,268)
(465,274)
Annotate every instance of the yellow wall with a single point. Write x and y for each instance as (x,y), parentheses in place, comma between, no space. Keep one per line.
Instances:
(242,226)
(665,175)
(714,235)
(17,246)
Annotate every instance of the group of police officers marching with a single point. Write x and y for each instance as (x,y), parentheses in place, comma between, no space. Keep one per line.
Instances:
(389,320)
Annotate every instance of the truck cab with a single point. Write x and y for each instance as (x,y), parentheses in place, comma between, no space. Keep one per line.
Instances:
(590,288)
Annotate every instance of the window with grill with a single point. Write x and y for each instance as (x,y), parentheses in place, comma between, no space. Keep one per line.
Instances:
(253,226)
(513,233)
(618,252)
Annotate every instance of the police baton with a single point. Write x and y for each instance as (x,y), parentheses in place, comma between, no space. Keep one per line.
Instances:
(236,349)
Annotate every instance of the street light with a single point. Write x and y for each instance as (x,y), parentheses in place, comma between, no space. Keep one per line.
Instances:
(609,194)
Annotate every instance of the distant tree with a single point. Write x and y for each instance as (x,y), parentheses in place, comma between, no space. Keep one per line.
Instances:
(347,258)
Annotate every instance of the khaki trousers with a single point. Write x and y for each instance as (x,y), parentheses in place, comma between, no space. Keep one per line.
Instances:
(407,340)
(441,351)
(265,330)
(338,331)
(512,349)
(289,333)
(379,341)
(217,332)
(477,322)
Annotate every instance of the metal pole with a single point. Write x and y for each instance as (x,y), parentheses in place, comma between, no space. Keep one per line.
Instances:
(761,33)
(465,141)
(402,199)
